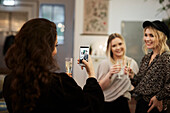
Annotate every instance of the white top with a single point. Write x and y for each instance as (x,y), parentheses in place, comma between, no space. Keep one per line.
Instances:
(118,87)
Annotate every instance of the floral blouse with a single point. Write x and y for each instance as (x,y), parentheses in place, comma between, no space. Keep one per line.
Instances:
(154,79)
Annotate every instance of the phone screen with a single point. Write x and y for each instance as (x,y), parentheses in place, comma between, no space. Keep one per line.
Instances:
(84,53)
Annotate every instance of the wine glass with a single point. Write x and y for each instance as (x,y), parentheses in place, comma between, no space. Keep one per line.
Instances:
(68,65)
(128,63)
(119,62)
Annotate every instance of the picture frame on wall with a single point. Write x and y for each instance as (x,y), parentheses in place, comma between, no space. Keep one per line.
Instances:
(95,17)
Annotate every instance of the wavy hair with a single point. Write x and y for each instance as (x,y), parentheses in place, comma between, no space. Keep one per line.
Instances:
(161,40)
(109,52)
(30,61)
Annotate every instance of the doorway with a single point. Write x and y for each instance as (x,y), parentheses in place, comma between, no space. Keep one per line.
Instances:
(10,23)
(32,8)
(11,20)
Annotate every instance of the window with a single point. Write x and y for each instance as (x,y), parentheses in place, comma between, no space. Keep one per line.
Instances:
(55,13)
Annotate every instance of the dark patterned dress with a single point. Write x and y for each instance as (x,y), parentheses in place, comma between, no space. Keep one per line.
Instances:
(154,79)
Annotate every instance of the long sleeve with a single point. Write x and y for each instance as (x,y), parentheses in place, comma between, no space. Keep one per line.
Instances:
(138,76)
(63,95)
(6,93)
(90,99)
(165,92)
(103,69)
(94,93)
(134,66)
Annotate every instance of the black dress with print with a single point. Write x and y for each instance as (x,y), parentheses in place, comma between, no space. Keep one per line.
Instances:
(154,79)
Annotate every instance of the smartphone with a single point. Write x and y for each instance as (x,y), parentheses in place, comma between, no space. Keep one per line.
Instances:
(84,54)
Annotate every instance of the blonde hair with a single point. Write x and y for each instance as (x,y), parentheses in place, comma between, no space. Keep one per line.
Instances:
(109,52)
(161,39)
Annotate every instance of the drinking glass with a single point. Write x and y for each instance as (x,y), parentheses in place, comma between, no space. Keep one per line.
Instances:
(121,71)
(68,65)
(128,63)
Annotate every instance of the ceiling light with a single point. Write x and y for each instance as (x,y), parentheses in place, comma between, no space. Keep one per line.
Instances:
(8,2)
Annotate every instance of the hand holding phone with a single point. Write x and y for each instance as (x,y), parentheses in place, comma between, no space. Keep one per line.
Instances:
(88,66)
(84,54)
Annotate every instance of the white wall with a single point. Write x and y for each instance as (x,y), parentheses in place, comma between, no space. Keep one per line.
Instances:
(119,10)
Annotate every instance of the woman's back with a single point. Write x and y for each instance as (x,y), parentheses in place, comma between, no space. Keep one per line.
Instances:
(63,94)
(31,87)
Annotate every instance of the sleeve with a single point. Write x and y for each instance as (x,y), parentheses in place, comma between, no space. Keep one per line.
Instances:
(94,92)
(102,69)
(135,67)
(138,75)
(8,42)
(7,92)
(90,99)
(165,92)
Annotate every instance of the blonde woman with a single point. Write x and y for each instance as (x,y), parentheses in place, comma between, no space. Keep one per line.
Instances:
(152,83)
(113,77)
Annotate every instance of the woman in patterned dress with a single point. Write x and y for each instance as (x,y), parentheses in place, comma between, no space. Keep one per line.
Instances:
(152,82)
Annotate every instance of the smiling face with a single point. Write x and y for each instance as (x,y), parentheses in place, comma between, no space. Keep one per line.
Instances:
(117,48)
(150,39)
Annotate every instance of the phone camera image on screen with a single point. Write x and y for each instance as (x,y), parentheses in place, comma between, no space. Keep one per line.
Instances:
(84,53)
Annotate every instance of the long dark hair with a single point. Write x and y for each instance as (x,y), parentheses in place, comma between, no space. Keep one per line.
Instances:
(30,61)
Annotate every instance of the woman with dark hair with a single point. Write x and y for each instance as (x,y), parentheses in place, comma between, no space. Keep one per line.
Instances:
(33,87)
(152,82)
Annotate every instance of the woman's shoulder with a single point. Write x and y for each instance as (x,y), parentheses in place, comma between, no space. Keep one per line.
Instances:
(105,61)
(8,78)
(104,66)
(63,77)
(167,53)
(130,59)
(57,75)
(165,56)
(7,84)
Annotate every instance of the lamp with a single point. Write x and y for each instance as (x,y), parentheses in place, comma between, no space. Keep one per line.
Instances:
(8,2)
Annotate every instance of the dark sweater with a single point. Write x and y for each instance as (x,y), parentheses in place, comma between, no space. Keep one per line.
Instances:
(63,95)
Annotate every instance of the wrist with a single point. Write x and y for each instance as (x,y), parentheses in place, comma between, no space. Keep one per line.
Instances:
(158,98)
(132,75)
(109,74)
(92,74)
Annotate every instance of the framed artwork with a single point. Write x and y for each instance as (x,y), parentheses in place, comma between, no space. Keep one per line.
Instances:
(95,17)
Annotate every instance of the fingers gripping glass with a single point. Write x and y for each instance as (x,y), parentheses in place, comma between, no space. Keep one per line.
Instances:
(128,63)
(119,62)
(68,65)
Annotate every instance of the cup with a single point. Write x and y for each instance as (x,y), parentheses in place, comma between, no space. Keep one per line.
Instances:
(128,63)
(68,65)
(121,70)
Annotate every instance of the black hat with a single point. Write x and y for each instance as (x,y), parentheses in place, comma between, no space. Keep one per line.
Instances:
(159,25)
